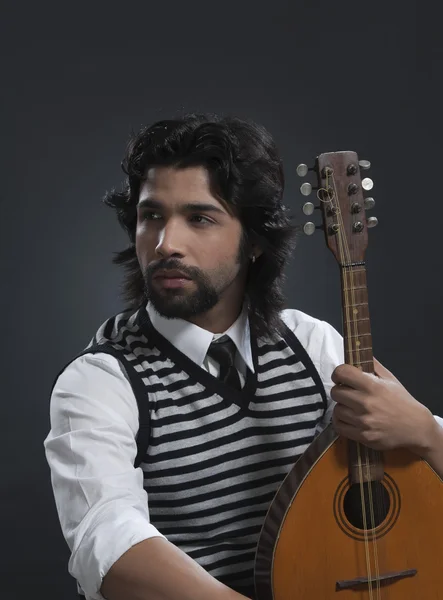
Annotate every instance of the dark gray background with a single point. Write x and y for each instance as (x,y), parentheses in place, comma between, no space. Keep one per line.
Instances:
(76,78)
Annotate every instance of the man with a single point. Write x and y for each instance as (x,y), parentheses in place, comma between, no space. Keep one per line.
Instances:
(227,387)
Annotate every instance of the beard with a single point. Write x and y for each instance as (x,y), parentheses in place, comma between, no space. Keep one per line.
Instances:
(180,303)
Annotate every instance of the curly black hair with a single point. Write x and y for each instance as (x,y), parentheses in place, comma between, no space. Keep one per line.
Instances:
(245,172)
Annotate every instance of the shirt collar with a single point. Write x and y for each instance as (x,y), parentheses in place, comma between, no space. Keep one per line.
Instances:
(194,342)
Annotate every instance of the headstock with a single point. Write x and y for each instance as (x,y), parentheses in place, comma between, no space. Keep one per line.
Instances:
(340,188)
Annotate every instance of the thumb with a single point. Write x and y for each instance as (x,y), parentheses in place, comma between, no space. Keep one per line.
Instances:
(383,372)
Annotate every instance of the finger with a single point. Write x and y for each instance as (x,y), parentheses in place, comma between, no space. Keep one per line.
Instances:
(353,399)
(382,371)
(356,434)
(345,429)
(352,377)
(346,415)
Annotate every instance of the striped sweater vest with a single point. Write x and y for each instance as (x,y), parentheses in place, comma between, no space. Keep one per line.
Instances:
(216,455)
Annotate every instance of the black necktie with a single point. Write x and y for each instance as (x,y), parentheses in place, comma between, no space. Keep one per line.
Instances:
(223,351)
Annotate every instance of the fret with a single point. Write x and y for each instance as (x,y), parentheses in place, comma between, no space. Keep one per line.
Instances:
(351,270)
(356,320)
(356,304)
(360,287)
(357,335)
(363,362)
(361,353)
(357,330)
(359,297)
(357,350)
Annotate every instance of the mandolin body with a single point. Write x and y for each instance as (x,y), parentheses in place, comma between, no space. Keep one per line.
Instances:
(307,544)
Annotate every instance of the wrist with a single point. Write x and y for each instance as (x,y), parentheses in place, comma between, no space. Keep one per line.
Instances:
(431,440)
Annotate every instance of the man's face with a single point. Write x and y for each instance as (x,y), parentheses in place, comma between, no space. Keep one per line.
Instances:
(182,227)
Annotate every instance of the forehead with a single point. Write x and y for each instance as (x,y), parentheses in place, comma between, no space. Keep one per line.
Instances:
(173,181)
(171,185)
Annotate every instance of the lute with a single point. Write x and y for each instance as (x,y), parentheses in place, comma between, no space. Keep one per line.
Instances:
(350,523)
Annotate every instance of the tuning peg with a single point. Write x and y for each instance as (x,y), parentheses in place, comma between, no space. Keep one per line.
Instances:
(302,170)
(306,189)
(372,221)
(309,228)
(367,184)
(308,208)
(364,164)
(369,203)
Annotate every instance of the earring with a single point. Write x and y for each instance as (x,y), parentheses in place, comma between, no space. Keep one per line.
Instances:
(253,258)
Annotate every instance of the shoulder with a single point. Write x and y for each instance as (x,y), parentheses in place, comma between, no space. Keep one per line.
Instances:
(115,327)
(294,317)
(91,363)
(92,371)
(320,339)
(95,383)
(298,321)
(93,388)
(107,349)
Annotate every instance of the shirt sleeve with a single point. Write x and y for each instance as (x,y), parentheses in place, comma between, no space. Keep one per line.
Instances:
(324,346)
(330,356)
(91,448)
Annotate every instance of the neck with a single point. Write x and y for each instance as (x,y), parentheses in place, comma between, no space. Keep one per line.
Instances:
(364,464)
(356,323)
(220,318)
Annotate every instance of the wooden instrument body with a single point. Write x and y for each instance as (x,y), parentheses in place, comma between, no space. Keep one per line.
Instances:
(306,546)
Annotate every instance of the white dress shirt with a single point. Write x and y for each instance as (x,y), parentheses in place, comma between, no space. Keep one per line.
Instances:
(91,448)
(194,341)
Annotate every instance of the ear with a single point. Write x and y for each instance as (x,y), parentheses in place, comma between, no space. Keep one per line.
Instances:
(255,251)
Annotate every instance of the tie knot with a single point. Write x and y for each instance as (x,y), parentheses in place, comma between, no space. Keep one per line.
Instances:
(223,351)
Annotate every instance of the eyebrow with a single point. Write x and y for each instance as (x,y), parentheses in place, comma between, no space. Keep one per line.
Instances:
(188,207)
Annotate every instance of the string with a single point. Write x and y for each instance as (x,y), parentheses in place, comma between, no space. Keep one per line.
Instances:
(352,323)
(353,327)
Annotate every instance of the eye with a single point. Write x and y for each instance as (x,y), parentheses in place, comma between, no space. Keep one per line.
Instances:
(201,220)
(149,215)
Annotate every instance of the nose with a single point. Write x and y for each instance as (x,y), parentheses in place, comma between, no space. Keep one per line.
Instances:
(170,241)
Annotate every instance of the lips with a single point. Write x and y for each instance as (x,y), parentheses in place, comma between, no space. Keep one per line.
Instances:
(173,282)
(172,279)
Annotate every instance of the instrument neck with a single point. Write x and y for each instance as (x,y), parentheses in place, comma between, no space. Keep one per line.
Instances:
(356,322)
(358,352)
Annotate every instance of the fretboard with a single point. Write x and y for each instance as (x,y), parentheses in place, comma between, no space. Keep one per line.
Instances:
(364,464)
(356,323)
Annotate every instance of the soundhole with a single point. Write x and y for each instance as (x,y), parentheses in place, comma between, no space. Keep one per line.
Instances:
(371,503)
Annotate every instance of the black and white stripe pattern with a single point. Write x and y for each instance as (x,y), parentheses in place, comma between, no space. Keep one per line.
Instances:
(216,456)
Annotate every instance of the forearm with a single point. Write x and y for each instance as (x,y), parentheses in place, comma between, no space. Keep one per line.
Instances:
(157,570)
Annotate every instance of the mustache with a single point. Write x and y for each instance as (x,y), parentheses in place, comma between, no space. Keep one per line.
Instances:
(169,264)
